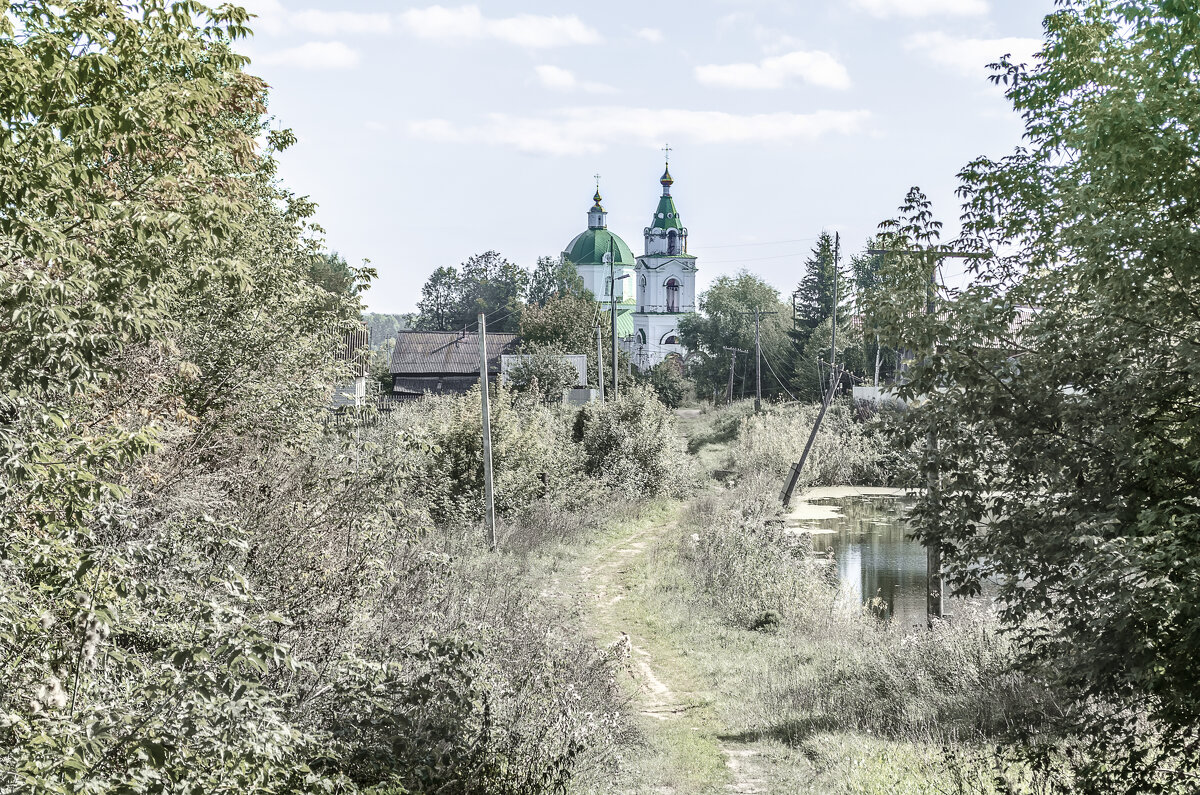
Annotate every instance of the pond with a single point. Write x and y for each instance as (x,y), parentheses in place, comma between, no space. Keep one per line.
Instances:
(874,557)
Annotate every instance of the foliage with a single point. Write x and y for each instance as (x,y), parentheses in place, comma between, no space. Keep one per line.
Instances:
(452,298)
(814,295)
(441,300)
(669,384)
(845,452)
(544,373)
(555,277)
(867,270)
(383,327)
(810,374)
(1061,386)
(633,444)
(726,320)
(200,589)
(564,322)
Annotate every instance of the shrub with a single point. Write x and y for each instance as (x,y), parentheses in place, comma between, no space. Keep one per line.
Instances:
(845,451)
(670,385)
(543,373)
(633,444)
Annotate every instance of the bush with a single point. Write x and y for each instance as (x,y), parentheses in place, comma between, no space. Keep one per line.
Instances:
(633,444)
(668,382)
(845,451)
(543,373)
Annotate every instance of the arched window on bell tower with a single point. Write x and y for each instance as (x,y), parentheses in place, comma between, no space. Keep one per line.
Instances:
(673,242)
(673,294)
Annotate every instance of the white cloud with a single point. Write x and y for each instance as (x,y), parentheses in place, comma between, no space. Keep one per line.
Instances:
(313,55)
(526,30)
(652,35)
(884,9)
(814,67)
(970,56)
(559,79)
(591,130)
(271,17)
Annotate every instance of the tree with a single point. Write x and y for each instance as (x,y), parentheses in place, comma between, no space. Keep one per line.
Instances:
(669,384)
(1062,387)
(490,284)
(815,293)
(452,298)
(441,301)
(565,323)
(555,276)
(544,373)
(867,273)
(726,319)
(154,283)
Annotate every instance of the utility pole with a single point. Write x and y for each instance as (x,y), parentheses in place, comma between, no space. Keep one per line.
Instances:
(489,503)
(934,584)
(837,244)
(758,313)
(612,311)
(757,366)
(733,352)
(786,495)
(600,360)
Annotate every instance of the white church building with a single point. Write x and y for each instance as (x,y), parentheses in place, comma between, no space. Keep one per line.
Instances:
(665,277)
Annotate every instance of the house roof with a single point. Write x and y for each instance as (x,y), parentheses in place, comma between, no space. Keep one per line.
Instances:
(450,352)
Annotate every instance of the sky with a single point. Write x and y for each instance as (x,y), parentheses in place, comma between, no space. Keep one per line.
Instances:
(428,133)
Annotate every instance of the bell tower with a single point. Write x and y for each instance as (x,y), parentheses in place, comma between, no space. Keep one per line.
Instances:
(666,281)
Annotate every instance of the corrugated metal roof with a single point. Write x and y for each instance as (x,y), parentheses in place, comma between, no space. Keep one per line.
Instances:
(451,352)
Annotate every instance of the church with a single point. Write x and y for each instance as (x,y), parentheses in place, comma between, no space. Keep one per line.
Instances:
(652,291)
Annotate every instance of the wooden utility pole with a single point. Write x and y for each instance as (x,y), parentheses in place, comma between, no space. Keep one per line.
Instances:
(489,503)
(786,495)
(837,244)
(612,311)
(733,352)
(758,313)
(600,360)
(757,367)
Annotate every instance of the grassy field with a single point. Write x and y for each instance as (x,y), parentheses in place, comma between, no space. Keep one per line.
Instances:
(723,708)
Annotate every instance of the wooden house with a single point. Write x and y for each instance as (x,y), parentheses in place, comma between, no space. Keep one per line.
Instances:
(444,362)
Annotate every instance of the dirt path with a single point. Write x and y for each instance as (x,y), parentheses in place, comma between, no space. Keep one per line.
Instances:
(683,752)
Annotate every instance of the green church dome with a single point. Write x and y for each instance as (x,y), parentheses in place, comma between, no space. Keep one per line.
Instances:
(589,248)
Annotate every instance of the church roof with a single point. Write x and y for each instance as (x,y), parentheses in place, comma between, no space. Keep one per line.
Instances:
(666,216)
(590,246)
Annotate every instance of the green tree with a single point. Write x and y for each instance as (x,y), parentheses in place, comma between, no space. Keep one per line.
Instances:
(555,276)
(565,322)
(154,283)
(544,373)
(726,319)
(814,294)
(441,304)
(669,384)
(1062,387)
(490,284)
(867,272)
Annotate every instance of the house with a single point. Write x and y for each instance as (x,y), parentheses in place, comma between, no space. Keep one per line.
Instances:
(354,351)
(444,362)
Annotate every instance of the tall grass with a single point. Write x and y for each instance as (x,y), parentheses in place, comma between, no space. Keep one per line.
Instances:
(847,670)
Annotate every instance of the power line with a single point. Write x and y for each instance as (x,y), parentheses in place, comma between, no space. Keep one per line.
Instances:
(768,243)
(778,380)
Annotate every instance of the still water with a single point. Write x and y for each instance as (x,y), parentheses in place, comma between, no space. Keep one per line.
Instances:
(874,556)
